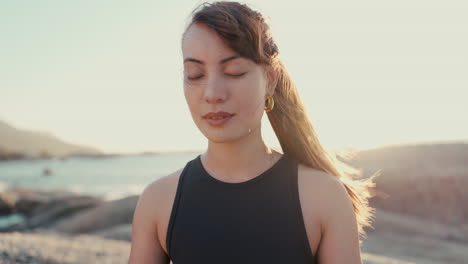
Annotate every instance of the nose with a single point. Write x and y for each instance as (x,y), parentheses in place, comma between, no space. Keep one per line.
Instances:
(215,90)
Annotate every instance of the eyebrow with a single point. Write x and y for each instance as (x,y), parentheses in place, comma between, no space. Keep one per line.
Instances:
(223,61)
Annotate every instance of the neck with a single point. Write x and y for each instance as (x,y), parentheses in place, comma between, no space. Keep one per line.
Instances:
(239,160)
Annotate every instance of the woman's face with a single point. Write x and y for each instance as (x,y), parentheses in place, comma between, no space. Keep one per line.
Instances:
(217,79)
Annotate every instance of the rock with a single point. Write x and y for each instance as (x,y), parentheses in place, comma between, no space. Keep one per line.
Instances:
(55,209)
(6,204)
(104,216)
(414,248)
(44,208)
(424,180)
(26,200)
(386,221)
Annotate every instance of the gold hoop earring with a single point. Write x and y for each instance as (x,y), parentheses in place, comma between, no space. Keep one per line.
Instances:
(270,103)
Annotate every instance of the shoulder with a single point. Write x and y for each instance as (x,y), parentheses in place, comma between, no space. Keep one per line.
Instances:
(147,227)
(320,181)
(160,192)
(329,200)
(163,186)
(319,175)
(325,192)
(162,183)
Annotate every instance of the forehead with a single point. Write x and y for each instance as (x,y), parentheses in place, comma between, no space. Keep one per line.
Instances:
(203,42)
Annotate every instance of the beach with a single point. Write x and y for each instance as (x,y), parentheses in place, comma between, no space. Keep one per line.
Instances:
(420,217)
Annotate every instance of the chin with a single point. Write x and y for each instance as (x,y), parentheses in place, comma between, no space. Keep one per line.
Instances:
(220,136)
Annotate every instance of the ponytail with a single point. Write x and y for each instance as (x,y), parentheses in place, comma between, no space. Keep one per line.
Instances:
(298,138)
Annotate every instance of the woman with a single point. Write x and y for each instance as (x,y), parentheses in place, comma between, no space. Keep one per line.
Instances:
(241,201)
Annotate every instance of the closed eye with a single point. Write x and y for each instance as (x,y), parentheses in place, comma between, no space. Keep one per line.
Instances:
(195,78)
(235,75)
(230,75)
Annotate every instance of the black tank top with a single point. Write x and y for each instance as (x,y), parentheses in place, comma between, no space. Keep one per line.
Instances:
(256,221)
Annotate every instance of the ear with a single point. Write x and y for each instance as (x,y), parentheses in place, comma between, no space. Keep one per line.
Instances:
(272,78)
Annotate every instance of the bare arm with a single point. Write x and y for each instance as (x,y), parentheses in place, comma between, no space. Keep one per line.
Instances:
(145,247)
(340,239)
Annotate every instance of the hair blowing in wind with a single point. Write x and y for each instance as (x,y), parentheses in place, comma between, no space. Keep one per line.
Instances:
(246,32)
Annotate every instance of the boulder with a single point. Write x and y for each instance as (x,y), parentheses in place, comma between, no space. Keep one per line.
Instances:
(106,215)
(6,204)
(44,208)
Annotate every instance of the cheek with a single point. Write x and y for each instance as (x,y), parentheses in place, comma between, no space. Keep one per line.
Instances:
(250,97)
(191,97)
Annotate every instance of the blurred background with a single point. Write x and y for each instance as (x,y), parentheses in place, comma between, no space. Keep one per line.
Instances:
(92,110)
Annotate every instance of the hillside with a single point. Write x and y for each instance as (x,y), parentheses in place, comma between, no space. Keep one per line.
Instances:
(23,143)
(424,180)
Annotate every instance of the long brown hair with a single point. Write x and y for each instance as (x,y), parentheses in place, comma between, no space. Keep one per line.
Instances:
(245,31)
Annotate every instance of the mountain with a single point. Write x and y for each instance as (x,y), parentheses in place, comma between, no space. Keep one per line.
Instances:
(23,143)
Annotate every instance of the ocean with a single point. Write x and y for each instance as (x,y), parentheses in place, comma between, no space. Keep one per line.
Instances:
(107,177)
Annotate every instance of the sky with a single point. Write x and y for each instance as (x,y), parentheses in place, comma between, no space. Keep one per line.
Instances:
(108,73)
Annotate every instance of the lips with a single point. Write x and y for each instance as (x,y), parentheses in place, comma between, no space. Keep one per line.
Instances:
(220,114)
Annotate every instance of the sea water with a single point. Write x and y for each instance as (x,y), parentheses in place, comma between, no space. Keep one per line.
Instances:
(110,178)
